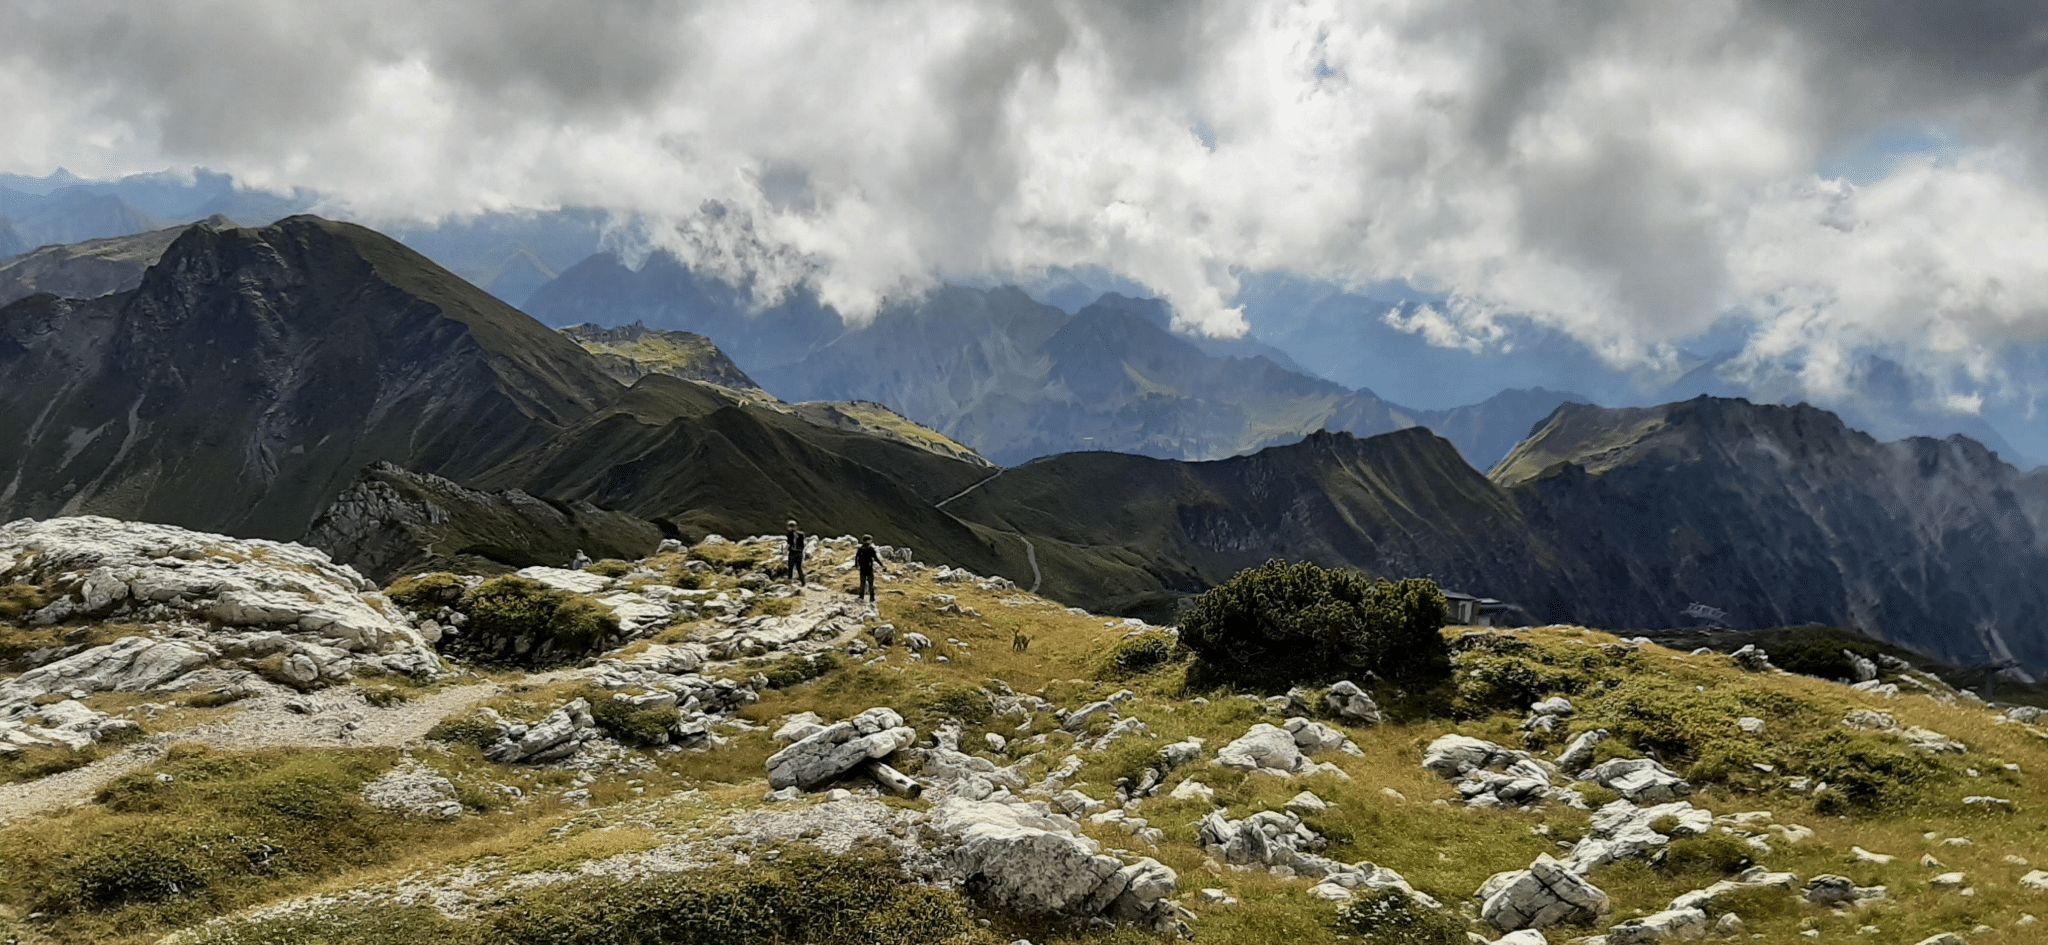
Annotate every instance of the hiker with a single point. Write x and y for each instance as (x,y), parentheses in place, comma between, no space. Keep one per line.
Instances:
(865,558)
(796,554)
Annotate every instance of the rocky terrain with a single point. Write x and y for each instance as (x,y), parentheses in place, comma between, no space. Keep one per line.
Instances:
(217,740)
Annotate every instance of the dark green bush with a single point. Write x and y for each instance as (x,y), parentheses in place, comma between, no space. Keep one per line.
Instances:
(793,670)
(1391,917)
(469,729)
(626,724)
(427,592)
(1711,855)
(1867,772)
(522,622)
(1142,653)
(964,703)
(861,898)
(1281,623)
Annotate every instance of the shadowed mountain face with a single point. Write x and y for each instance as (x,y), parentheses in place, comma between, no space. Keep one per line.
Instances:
(242,385)
(254,371)
(1784,515)
(1618,518)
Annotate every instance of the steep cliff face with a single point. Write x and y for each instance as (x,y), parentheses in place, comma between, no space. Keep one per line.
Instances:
(252,372)
(1784,515)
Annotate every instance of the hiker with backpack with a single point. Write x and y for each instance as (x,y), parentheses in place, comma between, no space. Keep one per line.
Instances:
(865,559)
(796,554)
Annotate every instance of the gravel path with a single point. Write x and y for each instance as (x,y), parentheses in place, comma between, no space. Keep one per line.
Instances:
(338,719)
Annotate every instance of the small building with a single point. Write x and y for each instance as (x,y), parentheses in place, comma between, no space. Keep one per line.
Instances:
(1468,610)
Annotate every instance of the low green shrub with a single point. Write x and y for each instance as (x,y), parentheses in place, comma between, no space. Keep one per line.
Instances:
(630,725)
(860,898)
(470,729)
(794,670)
(1392,917)
(427,592)
(966,704)
(1711,855)
(610,567)
(1866,771)
(1141,653)
(522,622)
(1280,624)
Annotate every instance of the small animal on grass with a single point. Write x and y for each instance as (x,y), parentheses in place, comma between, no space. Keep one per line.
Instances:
(1019,642)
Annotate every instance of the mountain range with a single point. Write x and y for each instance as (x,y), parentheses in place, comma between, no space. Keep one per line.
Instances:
(1017,379)
(254,375)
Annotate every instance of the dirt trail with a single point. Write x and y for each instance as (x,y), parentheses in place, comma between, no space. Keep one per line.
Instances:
(338,719)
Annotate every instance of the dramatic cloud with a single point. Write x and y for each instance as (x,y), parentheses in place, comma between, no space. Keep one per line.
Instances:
(1631,174)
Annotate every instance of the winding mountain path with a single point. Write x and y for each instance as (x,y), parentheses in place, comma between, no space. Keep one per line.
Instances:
(1031,554)
(339,719)
(978,484)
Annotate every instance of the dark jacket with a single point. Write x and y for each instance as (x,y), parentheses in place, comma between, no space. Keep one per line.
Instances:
(865,558)
(796,544)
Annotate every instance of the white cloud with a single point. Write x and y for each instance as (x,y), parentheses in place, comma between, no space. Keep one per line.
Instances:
(1630,174)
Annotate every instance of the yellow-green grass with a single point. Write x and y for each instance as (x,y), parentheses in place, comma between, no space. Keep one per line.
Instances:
(1387,810)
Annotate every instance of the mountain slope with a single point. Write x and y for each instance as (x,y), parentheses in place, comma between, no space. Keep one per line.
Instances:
(253,371)
(92,268)
(1401,504)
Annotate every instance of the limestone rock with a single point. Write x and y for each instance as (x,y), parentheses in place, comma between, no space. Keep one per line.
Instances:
(553,738)
(112,569)
(1265,748)
(1352,704)
(1640,779)
(839,748)
(1021,860)
(1544,895)
(1669,925)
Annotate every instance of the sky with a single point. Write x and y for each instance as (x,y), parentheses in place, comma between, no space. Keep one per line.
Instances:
(1822,182)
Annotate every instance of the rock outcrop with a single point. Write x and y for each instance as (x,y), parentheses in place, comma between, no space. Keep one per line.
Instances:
(1026,861)
(839,748)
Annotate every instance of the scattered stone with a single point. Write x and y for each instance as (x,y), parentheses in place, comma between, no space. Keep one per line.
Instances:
(413,790)
(1578,755)
(559,735)
(1832,890)
(1752,659)
(1642,780)
(1683,924)
(1352,704)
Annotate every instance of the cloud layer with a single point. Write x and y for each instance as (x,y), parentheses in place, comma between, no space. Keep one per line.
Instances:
(1634,174)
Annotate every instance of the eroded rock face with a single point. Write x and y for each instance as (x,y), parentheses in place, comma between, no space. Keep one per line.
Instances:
(107,569)
(553,738)
(1023,860)
(1546,894)
(838,748)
